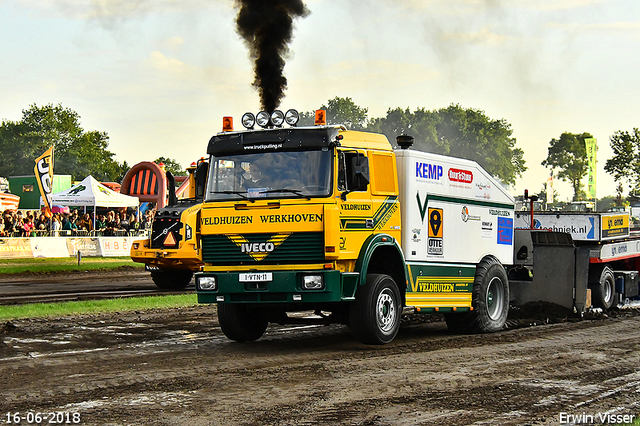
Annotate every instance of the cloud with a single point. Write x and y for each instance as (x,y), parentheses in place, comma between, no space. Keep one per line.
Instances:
(119,9)
(629,29)
(484,36)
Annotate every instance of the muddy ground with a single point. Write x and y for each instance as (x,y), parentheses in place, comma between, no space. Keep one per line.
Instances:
(175,367)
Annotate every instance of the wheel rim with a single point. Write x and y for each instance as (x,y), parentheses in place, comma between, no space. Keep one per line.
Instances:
(495,298)
(608,290)
(386,310)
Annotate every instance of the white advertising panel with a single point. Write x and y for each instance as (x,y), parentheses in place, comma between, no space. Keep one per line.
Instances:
(453,210)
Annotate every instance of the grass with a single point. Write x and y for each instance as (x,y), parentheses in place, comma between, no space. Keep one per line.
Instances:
(128,304)
(65,264)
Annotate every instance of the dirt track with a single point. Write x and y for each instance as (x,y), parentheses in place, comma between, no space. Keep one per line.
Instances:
(176,368)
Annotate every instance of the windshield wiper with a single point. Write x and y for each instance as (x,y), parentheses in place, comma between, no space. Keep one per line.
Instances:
(298,192)
(240,193)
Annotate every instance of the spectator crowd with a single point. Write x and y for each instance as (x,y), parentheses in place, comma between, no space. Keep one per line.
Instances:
(34,223)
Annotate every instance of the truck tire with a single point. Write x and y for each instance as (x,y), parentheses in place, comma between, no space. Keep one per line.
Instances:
(603,288)
(375,315)
(172,280)
(490,301)
(242,323)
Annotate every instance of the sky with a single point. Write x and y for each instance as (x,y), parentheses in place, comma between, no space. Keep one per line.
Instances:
(158,76)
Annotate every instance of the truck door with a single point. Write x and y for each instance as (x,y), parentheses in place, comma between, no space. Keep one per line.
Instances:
(356,211)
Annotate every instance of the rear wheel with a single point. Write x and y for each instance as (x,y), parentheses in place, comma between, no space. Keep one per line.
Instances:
(375,315)
(490,301)
(603,288)
(172,279)
(242,323)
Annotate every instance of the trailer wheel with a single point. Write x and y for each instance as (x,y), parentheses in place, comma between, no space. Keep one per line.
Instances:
(172,280)
(375,315)
(603,289)
(242,323)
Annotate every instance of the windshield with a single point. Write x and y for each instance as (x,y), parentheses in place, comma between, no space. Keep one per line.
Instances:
(293,174)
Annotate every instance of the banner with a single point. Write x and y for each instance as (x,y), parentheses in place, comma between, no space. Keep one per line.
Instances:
(16,248)
(592,149)
(44,175)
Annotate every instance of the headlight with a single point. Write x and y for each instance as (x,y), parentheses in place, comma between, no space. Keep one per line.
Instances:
(248,120)
(312,282)
(292,117)
(263,119)
(207,283)
(277,118)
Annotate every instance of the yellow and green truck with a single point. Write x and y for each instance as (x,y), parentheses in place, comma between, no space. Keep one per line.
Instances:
(171,253)
(341,224)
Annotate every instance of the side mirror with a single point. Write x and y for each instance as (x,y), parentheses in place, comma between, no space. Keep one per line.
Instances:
(201,179)
(360,172)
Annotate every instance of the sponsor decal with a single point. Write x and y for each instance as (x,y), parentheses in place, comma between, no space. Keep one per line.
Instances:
(291,218)
(416,235)
(613,226)
(487,226)
(466,216)
(357,207)
(380,217)
(505,230)
(498,212)
(77,190)
(385,212)
(263,146)
(428,171)
(228,220)
(459,175)
(435,244)
(429,284)
(483,190)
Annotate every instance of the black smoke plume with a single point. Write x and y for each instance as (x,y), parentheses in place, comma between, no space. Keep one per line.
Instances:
(267,28)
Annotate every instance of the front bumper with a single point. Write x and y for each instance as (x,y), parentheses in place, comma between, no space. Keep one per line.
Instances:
(283,287)
(184,258)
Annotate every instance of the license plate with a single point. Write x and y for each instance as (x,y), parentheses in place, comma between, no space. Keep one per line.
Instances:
(151,268)
(256,277)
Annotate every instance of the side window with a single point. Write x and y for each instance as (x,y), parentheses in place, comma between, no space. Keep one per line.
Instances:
(353,171)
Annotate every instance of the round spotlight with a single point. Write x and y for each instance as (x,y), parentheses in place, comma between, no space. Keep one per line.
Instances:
(292,117)
(277,118)
(262,119)
(248,120)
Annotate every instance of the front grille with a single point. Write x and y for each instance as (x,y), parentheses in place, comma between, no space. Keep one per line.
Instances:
(298,247)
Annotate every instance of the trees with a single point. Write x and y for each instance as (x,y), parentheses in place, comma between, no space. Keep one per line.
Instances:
(171,165)
(76,152)
(569,154)
(456,131)
(624,166)
(460,132)
(339,111)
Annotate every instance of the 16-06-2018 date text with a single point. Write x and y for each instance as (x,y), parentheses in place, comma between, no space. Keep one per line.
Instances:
(38,418)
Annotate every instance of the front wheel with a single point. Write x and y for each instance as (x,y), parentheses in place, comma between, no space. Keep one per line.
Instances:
(375,315)
(242,323)
(172,279)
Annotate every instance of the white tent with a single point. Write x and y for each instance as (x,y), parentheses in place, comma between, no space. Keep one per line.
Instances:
(90,192)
